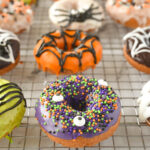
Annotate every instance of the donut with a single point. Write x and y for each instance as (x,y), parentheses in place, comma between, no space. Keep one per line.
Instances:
(12,107)
(130,13)
(15,16)
(78,111)
(67,51)
(9,51)
(137,49)
(85,15)
(144,104)
(29,2)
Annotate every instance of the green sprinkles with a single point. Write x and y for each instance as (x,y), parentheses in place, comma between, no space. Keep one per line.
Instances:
(64,114)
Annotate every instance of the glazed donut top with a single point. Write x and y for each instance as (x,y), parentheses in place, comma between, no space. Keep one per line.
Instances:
(125,11)
(138,45)
(77,106)
(15,16)
(9,45)
(12,7)
(73,14)
(76,48)
(10,96)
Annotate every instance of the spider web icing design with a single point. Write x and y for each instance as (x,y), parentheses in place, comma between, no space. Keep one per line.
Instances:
(138,41)
(5,46)
(76,54)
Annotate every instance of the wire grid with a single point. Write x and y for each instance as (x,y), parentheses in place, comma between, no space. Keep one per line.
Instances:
(126,81)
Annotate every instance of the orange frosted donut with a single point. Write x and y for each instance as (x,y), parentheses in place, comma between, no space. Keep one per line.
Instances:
(68,51)
(130,13)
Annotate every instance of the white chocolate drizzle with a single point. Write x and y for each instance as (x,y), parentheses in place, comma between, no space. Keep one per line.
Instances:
(141,41)
(5,36)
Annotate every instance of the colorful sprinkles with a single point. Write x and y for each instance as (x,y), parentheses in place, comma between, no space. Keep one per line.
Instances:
(11,8)
(83,97)
(132,3)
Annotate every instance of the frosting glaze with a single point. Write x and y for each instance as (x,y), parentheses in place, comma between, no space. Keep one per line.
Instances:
(9,47)
(83,15)
(138,45)
(88,109)
(8,96)
(124,10)
(12,107)
(75,44)
(144,103)
(15,15)
(29,1)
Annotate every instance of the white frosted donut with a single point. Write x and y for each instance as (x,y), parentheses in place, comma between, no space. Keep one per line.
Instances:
(131,13)
(144,103)
(77,14)
(146,88)
(15,16)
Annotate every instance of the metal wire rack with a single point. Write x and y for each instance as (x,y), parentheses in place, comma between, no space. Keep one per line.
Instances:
(127,82)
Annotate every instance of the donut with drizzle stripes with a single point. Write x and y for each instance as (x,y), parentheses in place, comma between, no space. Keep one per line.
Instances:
(67,51)
(12,107)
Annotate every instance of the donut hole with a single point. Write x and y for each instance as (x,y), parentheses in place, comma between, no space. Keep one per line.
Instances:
(69,46)
(78,104)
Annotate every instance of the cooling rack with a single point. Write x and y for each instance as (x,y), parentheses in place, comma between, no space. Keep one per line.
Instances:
(126,81)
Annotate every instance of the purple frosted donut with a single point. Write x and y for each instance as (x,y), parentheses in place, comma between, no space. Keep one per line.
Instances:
(78,111)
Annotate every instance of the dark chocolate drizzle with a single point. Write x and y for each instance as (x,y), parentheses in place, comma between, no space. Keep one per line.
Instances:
(18,95)
(79,16)
(76,37)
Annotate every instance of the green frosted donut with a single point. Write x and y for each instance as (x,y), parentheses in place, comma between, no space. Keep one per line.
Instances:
(12,107)
(29,1)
